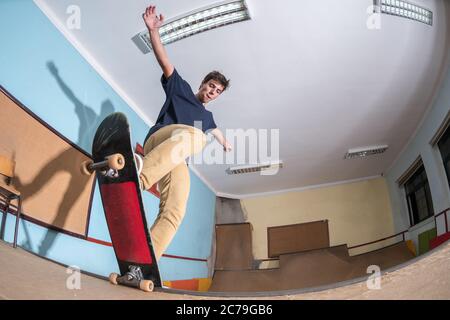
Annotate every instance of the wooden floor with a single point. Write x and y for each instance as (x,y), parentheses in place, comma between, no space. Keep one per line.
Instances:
(26,276)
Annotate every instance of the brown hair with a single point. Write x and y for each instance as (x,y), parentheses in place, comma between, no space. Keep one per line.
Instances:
(217,76)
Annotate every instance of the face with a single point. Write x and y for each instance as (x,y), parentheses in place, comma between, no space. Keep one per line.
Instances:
(209,91)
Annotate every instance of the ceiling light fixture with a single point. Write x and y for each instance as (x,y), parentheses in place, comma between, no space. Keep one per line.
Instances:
(204,19)
(365,151)
(405,9)
(272,166)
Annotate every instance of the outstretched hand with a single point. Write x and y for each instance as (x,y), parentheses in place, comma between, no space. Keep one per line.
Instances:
(227,146)
(152,21)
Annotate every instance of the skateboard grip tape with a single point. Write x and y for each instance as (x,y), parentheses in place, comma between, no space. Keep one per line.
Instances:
(125,222)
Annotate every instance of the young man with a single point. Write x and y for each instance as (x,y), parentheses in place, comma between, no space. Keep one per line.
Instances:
(174,138)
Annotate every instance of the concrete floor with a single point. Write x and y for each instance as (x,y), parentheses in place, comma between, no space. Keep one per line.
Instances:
(26,276)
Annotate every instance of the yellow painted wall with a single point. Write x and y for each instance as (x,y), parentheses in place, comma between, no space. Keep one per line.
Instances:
(358,213)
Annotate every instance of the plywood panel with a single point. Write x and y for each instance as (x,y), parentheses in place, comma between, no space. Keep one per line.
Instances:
(234,247)
(297,238)
(47,169)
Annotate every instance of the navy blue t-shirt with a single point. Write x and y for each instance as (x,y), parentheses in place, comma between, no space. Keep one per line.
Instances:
(181,106)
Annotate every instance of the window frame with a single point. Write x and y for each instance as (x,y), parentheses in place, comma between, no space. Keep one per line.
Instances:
(445,158)
(421,183)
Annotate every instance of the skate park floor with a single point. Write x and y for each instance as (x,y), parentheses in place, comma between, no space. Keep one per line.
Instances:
(26,276)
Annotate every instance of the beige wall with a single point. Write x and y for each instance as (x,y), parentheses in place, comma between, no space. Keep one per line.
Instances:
(358,213)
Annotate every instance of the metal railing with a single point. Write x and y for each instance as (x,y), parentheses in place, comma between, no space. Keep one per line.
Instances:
(403,232)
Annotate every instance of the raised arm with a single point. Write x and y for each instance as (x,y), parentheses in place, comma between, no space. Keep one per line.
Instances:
(153,23)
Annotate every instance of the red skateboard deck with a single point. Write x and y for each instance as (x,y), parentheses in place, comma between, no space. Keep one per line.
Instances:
(122,203)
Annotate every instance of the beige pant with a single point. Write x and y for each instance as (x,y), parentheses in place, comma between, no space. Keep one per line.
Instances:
(165,162)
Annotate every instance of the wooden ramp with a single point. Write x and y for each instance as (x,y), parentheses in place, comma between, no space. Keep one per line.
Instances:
(315,268)
(309,269)
(246,281)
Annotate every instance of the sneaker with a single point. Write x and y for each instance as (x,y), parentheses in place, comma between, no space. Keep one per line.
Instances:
(132,278)
(135,272)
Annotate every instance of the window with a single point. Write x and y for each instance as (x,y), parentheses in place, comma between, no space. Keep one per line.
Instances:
(418,196)
(444,148)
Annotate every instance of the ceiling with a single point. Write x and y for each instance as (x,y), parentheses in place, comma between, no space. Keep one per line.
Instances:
(311,69)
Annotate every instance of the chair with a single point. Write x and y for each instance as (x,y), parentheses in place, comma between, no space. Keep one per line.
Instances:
(7,192)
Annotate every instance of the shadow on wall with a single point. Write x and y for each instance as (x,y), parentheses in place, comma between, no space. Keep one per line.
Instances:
(89,122)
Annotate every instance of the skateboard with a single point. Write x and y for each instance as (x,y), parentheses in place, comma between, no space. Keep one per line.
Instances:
(115,164)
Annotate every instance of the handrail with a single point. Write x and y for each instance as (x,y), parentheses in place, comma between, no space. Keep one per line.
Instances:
(445,218)
(441,213)
(379,240)
(403,232)
(393,236)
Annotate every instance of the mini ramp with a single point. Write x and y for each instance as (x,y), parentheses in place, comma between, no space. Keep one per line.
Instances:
(306,269)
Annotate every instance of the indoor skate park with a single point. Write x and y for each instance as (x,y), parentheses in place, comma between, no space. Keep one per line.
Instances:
(337,185)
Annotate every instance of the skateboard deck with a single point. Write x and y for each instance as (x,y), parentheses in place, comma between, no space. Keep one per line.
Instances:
(122,203)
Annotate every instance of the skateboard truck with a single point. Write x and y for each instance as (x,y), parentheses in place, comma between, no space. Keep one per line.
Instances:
(115,162)
(133,278)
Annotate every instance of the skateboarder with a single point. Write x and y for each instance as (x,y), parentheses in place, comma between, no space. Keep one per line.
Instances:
(174,138)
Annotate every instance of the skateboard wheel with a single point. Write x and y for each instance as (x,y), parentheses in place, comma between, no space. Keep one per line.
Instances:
(113,278)
(146,285)
(85,167)
(116,161)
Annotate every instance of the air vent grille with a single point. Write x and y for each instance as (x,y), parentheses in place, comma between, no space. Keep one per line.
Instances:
(255,168)
(365,151)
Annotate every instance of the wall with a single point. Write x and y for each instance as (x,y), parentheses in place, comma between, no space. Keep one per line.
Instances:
(431,157)
(43,71)
(358,213)
(229,211)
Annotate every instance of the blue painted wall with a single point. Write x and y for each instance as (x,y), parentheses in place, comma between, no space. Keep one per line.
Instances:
(73,101)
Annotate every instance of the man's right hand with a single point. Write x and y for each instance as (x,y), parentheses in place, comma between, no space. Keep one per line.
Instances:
(153,23)
(151,19)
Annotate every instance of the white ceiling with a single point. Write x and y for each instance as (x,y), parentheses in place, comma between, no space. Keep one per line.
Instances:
(311,69)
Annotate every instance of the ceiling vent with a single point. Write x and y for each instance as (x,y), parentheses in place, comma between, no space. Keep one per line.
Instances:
(270,166)
(365,151)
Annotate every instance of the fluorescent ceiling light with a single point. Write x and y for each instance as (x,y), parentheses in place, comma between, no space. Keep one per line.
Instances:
(204,19)
(365,151)
(406,10)
(272,166)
